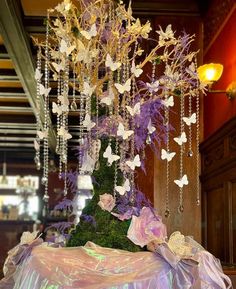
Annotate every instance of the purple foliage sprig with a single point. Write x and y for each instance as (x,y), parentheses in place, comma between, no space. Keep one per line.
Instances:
(89,219)
(65,204)
(62,228)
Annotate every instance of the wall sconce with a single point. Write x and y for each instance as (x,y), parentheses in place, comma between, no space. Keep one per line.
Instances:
(210,73)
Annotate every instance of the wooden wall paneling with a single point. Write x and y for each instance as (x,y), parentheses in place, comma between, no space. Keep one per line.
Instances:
(233,220)
(219,192)
(217,216)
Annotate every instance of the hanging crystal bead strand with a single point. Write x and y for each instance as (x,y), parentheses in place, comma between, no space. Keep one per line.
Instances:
(190,150)
(198,201)
(117,145)
(97,165)
(46,116)
(197,148)
(66,163)
(88,111)
(130,101)
(59,123)
(181,207)
(65,125)
(167,204)
(73,105)
(81,132)
(149,140)
(38,121)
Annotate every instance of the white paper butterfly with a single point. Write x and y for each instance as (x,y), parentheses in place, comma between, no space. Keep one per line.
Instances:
(108,100)
(64,100)
(135,110)
(191,69)
(36,145)
(42,134)
(109,156)
(88,123)
(122,88)
(87,89)
(166,155)
(38,75)
(167,34)
(123,189)
(110,64)
(88,164)
(181,139)
(64,133)
(135,163)
(43,90)
(90,33)
(66,49)
(136,70)
(181,182)
(84,54)
(168,101)
(122,132)
(59,66)
(153,86)
(62,7)
(190,120)
(56,109)
(150,127)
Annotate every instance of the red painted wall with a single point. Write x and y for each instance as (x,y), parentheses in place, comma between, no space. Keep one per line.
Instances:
(217,107)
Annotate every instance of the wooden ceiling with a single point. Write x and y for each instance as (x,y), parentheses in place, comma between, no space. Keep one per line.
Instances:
(19,20)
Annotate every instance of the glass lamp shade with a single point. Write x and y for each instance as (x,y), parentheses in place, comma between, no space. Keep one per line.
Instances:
(84,182)
(210,72)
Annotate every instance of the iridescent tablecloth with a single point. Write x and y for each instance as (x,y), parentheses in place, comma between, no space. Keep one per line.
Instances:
(95,267)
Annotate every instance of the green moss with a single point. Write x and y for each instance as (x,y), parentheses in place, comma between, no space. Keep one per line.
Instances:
(109,231)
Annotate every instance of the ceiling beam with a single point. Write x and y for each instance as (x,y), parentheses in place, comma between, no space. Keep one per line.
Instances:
(17,44)
(17,145)
(3,52)
(16,109)
(13,99)
(8,74)
(13,125)
(7,138)
(7,131)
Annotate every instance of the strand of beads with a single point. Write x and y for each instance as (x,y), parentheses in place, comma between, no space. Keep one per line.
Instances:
(59,122)
(81,131)
(73,105)
(166,119)
(190,150)
(46,116)
(38,121)
(117,112)
(182,108)
(64,139)
(197,140)
(197,148)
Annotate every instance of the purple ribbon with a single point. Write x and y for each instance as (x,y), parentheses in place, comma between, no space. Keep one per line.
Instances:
(185,270)
(202,270)
(24,251)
